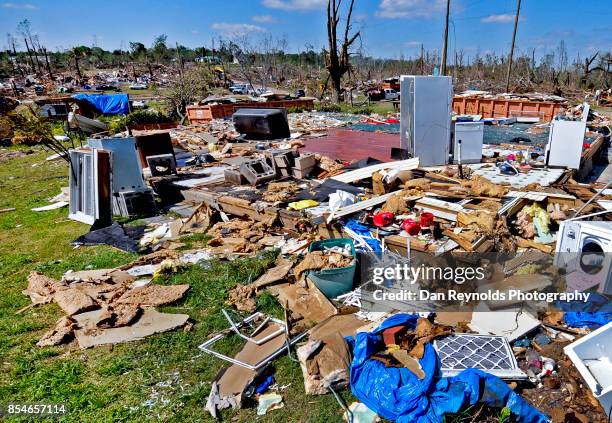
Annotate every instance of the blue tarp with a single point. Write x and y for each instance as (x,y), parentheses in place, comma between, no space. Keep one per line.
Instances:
(365,233)
(108,104)
(592,314)
(398,394)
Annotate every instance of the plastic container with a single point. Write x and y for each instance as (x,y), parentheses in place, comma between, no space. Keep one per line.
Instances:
(411,227)
(336,281)
(426,219)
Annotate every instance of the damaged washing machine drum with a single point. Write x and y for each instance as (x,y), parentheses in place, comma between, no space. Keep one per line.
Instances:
(592,257)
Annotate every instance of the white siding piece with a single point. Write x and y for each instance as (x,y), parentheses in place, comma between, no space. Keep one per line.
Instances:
(366,172)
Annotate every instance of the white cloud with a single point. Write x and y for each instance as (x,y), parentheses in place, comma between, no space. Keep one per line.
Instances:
(295,4)
(195,32)
(409,9)
(505,18)
(27,6)
(263,18)
(413,43)
(236,28)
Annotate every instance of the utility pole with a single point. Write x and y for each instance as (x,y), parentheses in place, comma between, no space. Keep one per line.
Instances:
(444,50)
(422,60)
(516,19)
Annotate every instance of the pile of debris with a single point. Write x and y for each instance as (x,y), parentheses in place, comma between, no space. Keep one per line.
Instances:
(333,223)
(106,306)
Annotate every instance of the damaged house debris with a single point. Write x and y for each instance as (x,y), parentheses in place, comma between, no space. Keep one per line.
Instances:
(451,258)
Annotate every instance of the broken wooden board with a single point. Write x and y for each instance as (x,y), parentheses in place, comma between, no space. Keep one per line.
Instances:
(442,209)
(465,241)
(527,243)
(150,323)
(399,244)
(241,207)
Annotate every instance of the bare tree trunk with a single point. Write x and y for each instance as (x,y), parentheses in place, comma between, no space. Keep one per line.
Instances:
(44,50)
(338,62)
(30,55)
(78,69)
(16,58)
(586,69)
(516,19)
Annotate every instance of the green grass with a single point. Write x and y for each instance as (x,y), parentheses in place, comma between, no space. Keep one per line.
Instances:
(103,384)
(381,108)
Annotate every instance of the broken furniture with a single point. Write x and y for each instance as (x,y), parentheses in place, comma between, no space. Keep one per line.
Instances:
(262,123)
(591,356)
(492,354)
(426,117)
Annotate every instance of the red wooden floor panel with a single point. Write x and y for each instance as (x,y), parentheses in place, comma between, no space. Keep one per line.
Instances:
(346,144)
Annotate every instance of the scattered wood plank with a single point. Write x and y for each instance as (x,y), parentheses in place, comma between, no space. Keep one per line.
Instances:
(527,243)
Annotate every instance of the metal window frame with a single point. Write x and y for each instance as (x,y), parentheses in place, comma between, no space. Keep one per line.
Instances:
(84,186)
(207,346)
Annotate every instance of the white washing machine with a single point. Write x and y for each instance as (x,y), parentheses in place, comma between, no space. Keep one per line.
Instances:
(584,250)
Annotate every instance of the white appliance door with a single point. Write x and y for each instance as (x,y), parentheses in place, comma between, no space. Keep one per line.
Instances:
(432,108)
(471,135)
(565,143)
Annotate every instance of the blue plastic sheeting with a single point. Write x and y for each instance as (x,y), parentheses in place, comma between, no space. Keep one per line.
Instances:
(592,314)
(398,394)
(498,134)
(365,233)
(389,128)
(108,104)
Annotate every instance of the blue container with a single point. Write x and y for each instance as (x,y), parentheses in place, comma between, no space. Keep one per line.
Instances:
(337,281)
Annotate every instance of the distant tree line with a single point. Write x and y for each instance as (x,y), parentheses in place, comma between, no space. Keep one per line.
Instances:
(265,61)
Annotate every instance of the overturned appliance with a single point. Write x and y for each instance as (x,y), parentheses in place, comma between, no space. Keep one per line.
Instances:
(262,123)
(105,179)
(591,356)
(583,250)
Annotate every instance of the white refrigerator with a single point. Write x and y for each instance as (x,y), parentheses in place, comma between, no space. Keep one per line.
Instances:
(425,109)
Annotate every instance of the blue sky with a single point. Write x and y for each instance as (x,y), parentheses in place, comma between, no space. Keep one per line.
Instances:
(389,28)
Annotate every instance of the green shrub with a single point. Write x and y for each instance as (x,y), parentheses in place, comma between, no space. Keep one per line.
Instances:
(329,107)
(139,117)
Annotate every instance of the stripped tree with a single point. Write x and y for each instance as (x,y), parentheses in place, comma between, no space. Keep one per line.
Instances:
(337,57)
